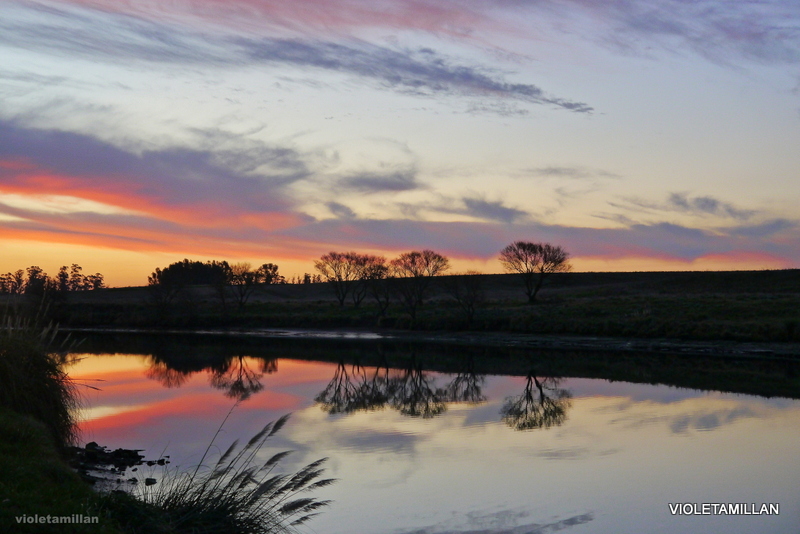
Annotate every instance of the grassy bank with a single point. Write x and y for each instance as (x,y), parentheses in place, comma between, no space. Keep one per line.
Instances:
(39,492)
(741,306)
(36,481)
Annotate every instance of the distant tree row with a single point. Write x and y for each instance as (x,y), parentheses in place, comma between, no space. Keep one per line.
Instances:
(409,276)
(353,274)
(35,281)
(353,277)
(235,282)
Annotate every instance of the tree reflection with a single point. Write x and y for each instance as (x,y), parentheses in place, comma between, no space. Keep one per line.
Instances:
(542,405)
(169,377)
(355,390)
(466,386)
(238,376)
(410,391)
(414,394)
(238,379)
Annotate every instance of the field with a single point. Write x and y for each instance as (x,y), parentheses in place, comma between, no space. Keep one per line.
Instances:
(759,306)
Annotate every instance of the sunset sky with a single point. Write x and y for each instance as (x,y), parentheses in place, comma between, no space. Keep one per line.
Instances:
(638,134)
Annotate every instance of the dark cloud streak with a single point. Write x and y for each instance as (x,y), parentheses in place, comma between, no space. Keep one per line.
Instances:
(114,37)
(374,182)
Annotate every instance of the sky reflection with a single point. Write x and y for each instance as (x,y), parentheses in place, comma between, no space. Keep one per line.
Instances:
(612,462)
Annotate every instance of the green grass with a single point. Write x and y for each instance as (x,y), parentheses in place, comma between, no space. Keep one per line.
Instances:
(35,480)
(37,406)
(32,378)
(742,306)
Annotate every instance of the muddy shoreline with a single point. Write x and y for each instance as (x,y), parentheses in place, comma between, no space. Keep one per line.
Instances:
(720,348)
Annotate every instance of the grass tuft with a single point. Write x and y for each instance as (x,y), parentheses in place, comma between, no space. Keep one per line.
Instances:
(238,494)
(32,379)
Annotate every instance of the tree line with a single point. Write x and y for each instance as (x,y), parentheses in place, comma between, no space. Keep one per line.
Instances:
(34,281)
(409,276)
(233,283)
(354,277)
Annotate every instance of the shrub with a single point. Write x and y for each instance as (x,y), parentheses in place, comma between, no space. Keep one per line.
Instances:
(32,380)
(237,494)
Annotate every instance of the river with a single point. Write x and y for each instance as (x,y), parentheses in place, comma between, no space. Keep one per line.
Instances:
(441,440)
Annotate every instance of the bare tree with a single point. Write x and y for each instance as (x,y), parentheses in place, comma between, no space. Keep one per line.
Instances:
(534,261)
(244,281)
(340,269)
(415,271)
(543,408)
(368,269)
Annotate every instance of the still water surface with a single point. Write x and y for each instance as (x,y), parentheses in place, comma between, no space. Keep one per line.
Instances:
(425,452)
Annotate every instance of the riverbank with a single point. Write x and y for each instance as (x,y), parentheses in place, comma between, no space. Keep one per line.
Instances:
(38,488)
(693,365)
(746,306)
(723,348)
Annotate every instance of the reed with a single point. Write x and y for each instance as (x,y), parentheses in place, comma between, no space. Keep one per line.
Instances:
(32,379)
(238,494)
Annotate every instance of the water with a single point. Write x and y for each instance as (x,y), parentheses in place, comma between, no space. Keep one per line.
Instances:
(466,451)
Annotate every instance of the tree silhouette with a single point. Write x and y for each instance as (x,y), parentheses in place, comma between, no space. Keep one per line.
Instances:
(534,261)
(237,379)
(414,271)
(354,390)
(340,270)
(466,386)
(413,393)
(542,405)
(168,376)
(369,268)
(243,281)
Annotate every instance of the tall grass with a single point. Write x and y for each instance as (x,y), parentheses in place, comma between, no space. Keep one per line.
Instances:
(238,494)
(32,379)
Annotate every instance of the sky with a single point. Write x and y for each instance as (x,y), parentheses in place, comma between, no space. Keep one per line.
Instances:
(636,134)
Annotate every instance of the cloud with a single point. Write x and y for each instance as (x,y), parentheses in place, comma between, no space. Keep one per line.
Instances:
(373,182)
(707,205)
(709,420)
(340,211)
(760,30)
(476,207)
(484,240)
(59,162)
(493,211)
(174,197)
(765,229)
(763,31)
(416,71)
(237,202)
(97,35)
(577,173)
(312,16)
(681,202)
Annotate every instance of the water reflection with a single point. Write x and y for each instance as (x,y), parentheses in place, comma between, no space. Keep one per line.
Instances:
(237,376)
(355,390)
(468,469)
(542,405)
(410,390)
(466,386)
(414,393)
